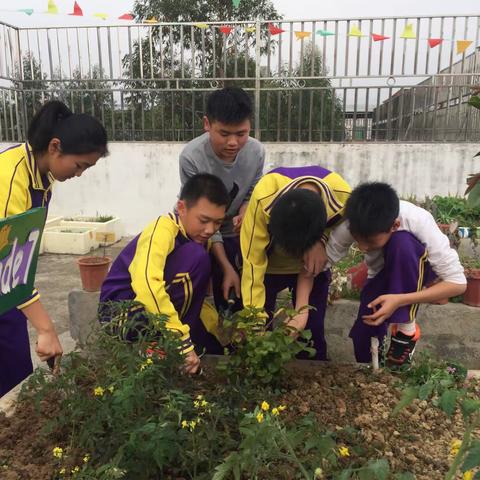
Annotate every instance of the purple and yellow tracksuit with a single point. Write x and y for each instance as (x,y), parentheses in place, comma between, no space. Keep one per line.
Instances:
(168,273)
(22,187)
(266,269)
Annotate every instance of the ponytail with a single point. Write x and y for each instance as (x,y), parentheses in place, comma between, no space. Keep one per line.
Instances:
(78,133)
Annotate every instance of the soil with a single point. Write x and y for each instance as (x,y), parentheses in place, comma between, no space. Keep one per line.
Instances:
(351,401)
(94,260)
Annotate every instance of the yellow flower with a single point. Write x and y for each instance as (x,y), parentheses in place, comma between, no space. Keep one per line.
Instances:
(281,408)
(58,452)
(149,361)
(204,403)
(318,473)
(193,424)
(75,469)
(265,406)
(455,447)
(196,404)
(343,452)
(468,475)
(275,412)
(111,388)
(184,424)
(62,471)
(199,397)
(259,417)
(86,458)
(98,391)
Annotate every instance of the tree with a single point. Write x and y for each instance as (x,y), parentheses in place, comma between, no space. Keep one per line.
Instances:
(168,68)
(304,110)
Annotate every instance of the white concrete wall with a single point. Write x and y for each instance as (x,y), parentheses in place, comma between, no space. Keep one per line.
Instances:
(139,180)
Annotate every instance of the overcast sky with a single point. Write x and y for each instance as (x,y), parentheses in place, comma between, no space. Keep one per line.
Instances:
(291,9)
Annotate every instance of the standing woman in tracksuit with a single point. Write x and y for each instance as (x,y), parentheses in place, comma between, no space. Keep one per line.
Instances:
(60,145)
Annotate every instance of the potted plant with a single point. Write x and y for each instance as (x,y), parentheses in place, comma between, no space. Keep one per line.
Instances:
(472,272)
(93,270)
(108,229)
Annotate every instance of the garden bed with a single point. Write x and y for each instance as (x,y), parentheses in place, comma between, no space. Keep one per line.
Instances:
(352,403)
(125,410)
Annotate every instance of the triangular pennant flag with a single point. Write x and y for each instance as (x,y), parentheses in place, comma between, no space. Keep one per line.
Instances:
(302,35)
(355,32)
(379,38)
(28,11)
(77,11)
(103,16)
(225,29)
(250,29)
(151,20)
(324,33)
(52,8)
(274,30)
(126,16)
(408,32)
(201,25)
(236,3)
(433,42)
(462,45)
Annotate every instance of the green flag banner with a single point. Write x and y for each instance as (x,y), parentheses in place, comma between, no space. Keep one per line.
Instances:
(20,237)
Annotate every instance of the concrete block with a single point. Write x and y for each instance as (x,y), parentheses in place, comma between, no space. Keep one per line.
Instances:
(82,309)
(449,331)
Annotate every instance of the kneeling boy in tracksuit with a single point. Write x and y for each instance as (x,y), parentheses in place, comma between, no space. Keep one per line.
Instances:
(167,267)
(404,251)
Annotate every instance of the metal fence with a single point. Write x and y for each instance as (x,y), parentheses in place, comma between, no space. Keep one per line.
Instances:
(151,81)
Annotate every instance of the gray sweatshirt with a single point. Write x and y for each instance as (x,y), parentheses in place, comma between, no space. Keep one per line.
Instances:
(240,177)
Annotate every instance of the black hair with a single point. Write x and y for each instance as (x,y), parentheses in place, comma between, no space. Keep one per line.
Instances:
(78,133)
(205,185)
(229,105)
(372,208)
(297,221)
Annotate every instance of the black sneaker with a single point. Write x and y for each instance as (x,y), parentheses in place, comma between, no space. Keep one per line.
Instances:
(401,348)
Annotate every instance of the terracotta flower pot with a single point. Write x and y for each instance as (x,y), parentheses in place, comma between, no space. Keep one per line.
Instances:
(472,294)
(444,227)
(358,275)
(93,271)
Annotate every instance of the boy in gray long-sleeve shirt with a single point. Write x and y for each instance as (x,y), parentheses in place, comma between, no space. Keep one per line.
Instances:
(226,150)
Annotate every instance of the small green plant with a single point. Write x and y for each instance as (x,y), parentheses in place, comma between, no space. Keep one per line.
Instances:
(260,349)
(470,262)
(304,450)
(102,218)
(443,384)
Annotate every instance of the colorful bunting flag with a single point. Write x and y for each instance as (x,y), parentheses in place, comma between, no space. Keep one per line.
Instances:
(250,29)
(126,16)
(226,30)
(103,16)
(274,30)
(151,20)
(77,11)
(355,32)
(462,45)
(324,33)
(302,35)
(408,32)
(52,8)
(379,38)
(201,25)
(433,42)
(236,3)
(28,11)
